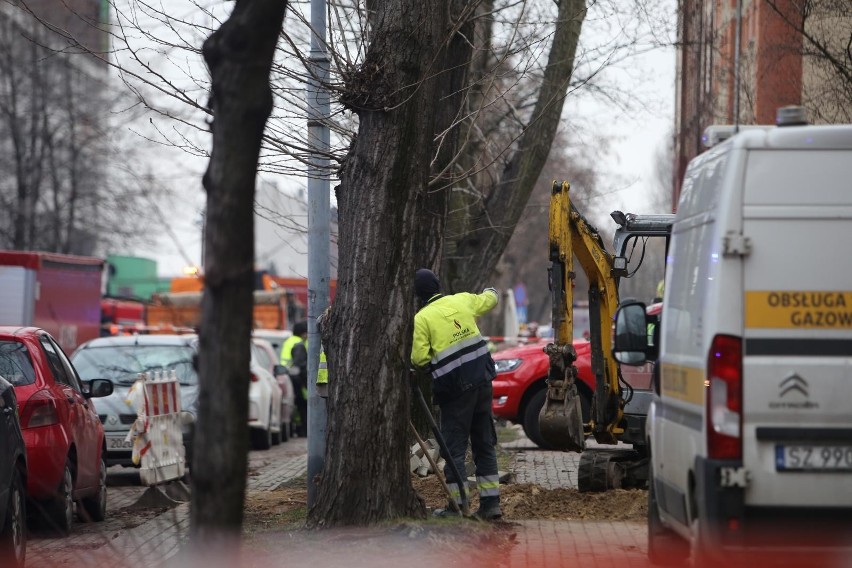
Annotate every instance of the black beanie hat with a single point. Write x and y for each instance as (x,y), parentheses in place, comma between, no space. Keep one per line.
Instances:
(300,328)
(426,284)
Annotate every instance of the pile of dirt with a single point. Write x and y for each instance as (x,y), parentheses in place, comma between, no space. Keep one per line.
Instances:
(522,501)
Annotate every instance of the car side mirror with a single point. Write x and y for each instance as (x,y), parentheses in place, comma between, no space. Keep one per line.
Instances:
(630,346)
(99,388)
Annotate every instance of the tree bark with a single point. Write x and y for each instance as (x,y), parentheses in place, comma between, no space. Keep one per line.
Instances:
(381,200)
(492,220)
(239,55)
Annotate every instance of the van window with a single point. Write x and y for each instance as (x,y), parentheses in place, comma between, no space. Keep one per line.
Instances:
(702,183)
(692,263)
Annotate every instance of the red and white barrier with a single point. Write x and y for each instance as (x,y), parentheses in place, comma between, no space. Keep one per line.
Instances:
(157,435)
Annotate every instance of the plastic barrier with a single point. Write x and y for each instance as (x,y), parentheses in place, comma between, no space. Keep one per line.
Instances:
(157,435)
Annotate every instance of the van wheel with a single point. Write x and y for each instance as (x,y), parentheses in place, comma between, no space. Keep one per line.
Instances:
(665,547)
(13,538)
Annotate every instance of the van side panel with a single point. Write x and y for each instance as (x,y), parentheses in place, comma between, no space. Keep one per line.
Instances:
(692,266)
(797,363)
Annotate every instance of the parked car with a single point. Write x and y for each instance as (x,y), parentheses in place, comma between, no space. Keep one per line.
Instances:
(63,435)
(13,475)
(269,358)
(121,359)
(275,337)
(264,404)
(520,388)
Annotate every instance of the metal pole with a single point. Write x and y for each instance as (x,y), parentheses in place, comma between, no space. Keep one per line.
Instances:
(738,33)
(319,272)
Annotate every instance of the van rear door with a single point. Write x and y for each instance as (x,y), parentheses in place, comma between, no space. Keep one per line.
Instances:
(797,349)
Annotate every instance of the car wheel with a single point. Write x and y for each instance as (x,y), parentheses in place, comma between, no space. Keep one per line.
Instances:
(60,512)
(285,431)
(665,548)
(261,439)
(530,424)
(276,437)
(13,539)
(94,507)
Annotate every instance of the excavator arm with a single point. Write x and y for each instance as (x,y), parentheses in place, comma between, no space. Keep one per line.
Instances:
(617,410)
(561,422)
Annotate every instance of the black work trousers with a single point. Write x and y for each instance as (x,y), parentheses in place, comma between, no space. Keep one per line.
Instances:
(468,417)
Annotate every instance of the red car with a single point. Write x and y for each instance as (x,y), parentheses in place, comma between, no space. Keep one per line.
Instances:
(519,388)
(62,433)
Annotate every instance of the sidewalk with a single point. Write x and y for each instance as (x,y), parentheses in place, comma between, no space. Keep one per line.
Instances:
(157,541)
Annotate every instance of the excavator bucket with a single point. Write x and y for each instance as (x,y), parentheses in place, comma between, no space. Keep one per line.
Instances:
(561,419)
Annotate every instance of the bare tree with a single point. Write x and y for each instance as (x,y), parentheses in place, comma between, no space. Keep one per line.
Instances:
(57,191)
(239,55)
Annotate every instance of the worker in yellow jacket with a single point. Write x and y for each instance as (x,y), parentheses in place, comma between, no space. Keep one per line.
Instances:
(447,343)
(294,356)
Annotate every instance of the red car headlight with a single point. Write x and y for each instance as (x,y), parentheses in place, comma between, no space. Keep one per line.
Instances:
(507,365)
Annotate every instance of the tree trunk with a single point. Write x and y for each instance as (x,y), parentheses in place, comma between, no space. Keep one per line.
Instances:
(239,55)
(381,200)
(493,220)
(453,89)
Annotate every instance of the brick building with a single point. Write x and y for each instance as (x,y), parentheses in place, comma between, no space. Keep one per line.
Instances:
(791,53)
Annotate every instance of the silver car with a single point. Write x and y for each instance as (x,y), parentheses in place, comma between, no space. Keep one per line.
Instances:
(121,359)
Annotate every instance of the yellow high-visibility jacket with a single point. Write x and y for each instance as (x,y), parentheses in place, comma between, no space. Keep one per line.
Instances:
(448,342)
(287,350)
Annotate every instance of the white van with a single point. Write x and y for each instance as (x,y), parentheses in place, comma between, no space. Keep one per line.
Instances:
(751,432)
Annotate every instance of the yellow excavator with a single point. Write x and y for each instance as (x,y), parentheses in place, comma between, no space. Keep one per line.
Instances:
(618,410)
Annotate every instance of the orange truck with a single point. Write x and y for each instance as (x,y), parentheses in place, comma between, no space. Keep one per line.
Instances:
(182,310)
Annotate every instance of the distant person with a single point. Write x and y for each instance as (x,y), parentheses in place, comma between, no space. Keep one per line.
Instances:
(294,356)
(448,343)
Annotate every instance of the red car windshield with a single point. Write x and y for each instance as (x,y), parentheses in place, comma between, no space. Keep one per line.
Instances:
(15,364)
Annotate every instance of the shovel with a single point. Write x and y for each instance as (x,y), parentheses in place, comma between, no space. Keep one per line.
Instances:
(462,482)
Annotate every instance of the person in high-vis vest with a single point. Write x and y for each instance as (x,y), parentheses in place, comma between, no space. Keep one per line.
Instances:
(448,343)
(294,356)
(322,374)
(322,370)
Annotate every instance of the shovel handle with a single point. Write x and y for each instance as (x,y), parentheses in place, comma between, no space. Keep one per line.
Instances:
(462,482)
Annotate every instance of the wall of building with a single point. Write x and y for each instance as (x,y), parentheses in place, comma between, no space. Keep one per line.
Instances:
(778,67)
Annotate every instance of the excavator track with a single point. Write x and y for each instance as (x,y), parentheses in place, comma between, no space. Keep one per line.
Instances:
(604,469)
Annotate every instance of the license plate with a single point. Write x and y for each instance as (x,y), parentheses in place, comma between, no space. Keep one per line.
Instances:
(813,458)
(117,443)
